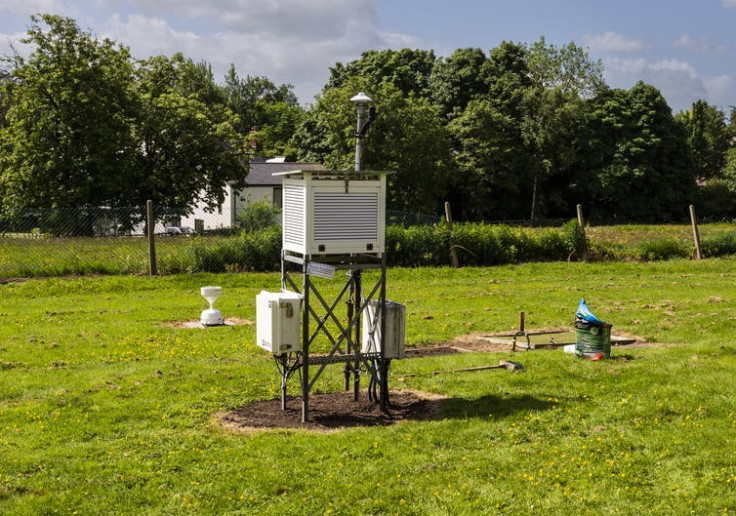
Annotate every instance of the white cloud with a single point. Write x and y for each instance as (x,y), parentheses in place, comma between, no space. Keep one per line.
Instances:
(150,36)
(678,81)
(720,90)
(612,42)
(291,41)
(33,6)
(729,4)
(701,45)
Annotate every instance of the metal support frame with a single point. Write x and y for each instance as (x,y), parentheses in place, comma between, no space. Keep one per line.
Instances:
(345,339)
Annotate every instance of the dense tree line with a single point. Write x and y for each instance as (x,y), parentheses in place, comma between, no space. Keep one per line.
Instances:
(524,131)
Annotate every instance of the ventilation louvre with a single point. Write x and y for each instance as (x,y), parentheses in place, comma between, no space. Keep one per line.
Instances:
(328,216)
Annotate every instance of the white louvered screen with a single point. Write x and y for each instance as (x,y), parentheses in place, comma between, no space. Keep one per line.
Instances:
(345,216)
(294,215)
(325,216)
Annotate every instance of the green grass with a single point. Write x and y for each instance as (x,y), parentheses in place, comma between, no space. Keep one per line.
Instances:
(104,409)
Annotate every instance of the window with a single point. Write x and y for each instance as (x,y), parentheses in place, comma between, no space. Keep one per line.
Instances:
(278,197)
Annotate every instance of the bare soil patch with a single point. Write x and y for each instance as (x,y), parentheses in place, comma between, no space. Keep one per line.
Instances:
(196,323)
(332,412)
(337,411)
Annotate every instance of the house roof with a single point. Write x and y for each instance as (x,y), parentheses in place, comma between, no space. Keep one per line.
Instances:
(261,172)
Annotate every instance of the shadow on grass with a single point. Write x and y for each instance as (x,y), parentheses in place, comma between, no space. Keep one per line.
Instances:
(338,410)
(492,406)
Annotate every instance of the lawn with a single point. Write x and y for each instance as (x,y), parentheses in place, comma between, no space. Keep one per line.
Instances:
(106,407)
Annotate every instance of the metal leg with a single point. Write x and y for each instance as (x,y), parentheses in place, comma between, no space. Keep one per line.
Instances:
(357,296)
(305,347)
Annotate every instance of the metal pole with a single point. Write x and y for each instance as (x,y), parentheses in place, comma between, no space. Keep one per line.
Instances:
(351,308)
(383,366)
(359,138)
(305,343)
(361,101)
(357,296)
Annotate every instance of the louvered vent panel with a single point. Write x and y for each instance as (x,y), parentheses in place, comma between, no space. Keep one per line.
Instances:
(294,206)
(341,216)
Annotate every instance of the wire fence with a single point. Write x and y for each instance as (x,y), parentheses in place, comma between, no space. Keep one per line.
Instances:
(79,241)
(84,241)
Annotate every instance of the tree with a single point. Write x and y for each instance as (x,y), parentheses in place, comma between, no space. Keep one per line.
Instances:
(642,169)
(88,128)
(492,179)
(458,79)
(708,138)
(550,129)
(407,137)
(268,114)
(188,149)
(568,68)
(69,139)
(408,70)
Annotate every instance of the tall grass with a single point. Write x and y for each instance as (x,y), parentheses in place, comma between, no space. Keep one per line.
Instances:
(417,246)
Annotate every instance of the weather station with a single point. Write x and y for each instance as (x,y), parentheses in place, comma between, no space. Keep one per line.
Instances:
(333,221)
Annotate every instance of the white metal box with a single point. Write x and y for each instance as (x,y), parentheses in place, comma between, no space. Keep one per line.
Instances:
(331,213)
(394,342)
(278,321)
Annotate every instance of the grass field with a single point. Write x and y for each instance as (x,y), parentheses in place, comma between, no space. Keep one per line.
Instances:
(107,408)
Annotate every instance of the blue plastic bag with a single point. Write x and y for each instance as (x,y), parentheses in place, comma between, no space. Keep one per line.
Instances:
(585,314)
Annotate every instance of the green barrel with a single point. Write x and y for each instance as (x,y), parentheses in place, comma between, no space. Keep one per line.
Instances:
(592,338)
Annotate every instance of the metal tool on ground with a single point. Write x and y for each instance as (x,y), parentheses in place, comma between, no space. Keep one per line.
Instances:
(503,364)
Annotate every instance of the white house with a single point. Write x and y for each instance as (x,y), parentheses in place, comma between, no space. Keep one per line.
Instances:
(260,184)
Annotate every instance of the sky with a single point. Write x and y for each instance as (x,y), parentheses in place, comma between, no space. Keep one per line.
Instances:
(686,48)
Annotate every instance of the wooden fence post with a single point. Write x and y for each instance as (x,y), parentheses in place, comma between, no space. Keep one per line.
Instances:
(696,233)
(150,226)
(453,251)
(581,222)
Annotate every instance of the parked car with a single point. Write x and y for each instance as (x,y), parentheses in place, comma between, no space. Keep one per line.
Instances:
(177,231)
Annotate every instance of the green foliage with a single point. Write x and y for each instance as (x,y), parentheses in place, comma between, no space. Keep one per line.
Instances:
(492,178)
(574,238)
(716,200)
(268,114)
(251,251)
(189,148)
(708,138)
(68,139)
(641,166)
(664,249)
(87,127)
(408,70)
(458,79)
(407,137)
(719,244)
(257,215)
(567,68)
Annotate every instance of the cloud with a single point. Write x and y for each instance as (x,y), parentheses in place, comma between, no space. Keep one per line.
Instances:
(33,6)
(289,41)
(729,4)
(612,42)
(721,90)
(678,81)
(701,45)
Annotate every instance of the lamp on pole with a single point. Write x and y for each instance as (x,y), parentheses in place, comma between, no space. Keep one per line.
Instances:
(361,101)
